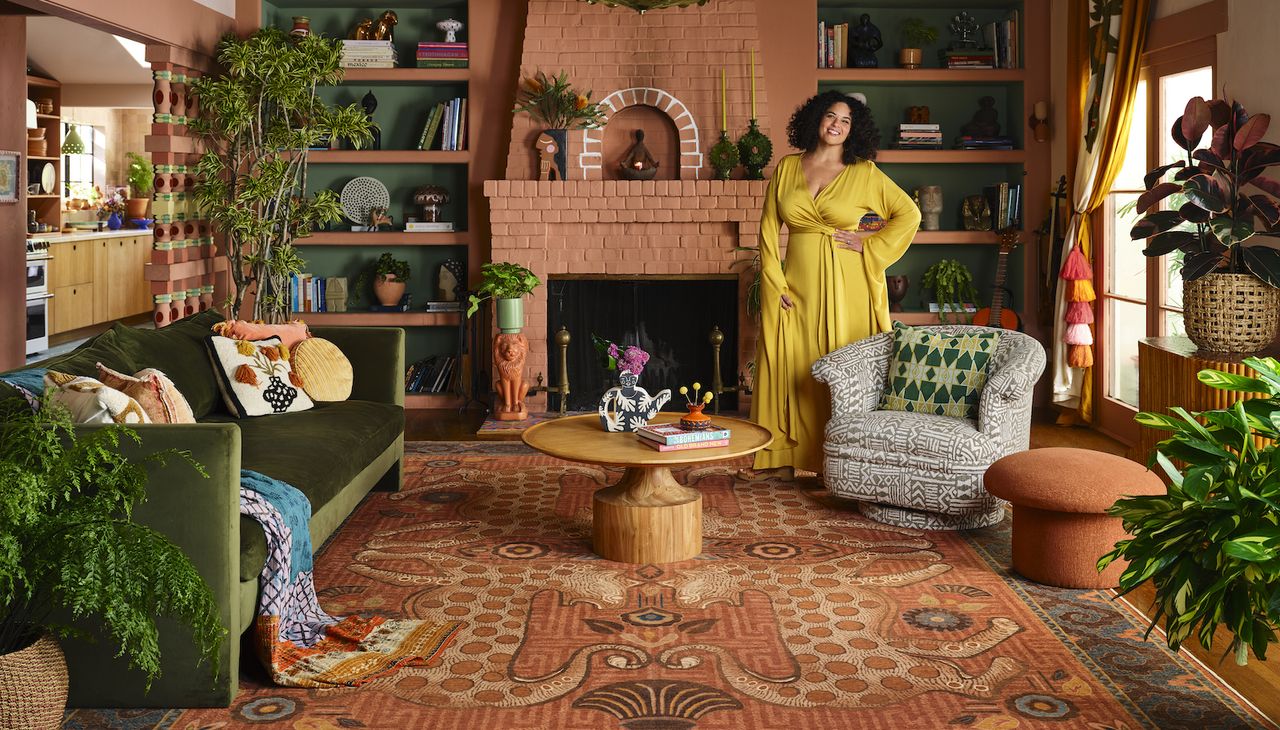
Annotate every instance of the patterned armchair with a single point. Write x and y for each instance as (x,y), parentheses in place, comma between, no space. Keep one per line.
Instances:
(920,470)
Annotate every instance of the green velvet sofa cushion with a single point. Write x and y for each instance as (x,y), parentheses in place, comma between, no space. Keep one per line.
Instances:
(179,352)
(105,349)
(318,451)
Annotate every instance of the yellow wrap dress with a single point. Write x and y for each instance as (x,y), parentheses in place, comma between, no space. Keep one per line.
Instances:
(839,295)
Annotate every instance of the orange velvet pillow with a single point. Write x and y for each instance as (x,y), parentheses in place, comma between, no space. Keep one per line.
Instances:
(290,333)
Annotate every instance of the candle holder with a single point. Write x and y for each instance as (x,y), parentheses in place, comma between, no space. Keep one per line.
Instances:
(638,164)
(724,156)
(756,150)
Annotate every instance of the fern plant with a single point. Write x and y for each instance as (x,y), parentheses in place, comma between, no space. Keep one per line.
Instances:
(952,285)
(69,546)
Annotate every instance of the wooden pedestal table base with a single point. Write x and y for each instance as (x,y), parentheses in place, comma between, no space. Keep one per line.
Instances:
(647,517)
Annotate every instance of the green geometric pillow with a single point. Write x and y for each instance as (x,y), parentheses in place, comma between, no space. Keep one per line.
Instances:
(937,373)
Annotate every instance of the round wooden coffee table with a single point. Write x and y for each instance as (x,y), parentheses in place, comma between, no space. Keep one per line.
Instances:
(647,517)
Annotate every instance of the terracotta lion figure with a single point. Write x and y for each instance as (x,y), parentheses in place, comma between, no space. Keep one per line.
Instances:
(509,353)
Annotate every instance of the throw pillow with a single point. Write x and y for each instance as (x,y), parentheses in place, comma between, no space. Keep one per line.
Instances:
(290,333)
(326,372)
(89,401)
(255,377)
(154,391)
(938,372)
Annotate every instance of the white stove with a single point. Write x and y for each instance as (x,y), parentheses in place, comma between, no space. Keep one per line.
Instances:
(38,296)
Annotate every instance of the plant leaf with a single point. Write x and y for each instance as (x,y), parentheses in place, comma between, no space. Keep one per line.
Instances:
(1194,213)
(1219,112)
(1156,194)
(1199,263)
(1204,192)
(1168,242)
(1208,157)
(1195,120)
(1230,381)
(1231,231)
(1267,184)
(1266,208)
(1252,131)
(1221,144)
(1150,179)
(1250,551)
(1154,223)
(1263,262)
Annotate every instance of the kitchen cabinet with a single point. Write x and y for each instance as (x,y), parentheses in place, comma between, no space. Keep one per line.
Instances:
(98,279)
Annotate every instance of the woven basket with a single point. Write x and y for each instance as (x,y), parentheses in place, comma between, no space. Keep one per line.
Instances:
(33,686)
(1231,313)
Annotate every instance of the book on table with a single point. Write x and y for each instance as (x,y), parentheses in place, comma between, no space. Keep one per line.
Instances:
(690,446)
(670,434)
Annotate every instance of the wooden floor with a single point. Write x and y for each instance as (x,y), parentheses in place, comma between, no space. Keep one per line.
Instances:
(1257,681)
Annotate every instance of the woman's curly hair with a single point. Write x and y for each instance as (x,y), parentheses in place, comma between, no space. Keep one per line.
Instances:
(863,139)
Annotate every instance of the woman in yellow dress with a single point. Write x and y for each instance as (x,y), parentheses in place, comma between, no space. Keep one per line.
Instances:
(832,290)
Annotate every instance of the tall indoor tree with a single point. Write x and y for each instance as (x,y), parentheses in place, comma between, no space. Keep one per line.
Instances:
(258,120)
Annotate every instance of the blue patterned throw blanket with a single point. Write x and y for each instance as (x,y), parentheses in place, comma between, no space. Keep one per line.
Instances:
(298,642)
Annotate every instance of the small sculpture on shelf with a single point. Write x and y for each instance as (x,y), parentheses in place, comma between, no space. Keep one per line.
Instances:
(550,158)
(897,286)
(451,281)
(450,28)
(931,207)
(866,41)
(509,353)
(385,29)
(985,122)
(370,103)
(964,28)
(917,115)
(977,213)
(380,220)
(431,198)
(363,30)
(638,164)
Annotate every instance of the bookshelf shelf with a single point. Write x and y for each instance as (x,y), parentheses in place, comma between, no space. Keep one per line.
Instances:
(389,157)
(382,319)
(952,157)
(915,318)
(42,159)
(923,75)
(406,75)
(433,400)
(388,238)
(947,237)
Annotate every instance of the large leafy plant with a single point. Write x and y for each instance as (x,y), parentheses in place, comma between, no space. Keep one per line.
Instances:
(258,121)
(1211,546)
(69,546)
(502,281)
(555,104)
(1226,200)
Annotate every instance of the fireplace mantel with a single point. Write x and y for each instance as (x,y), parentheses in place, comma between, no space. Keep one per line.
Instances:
(701,189)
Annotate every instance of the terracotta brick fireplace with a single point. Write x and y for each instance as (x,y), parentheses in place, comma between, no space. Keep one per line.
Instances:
(665,61)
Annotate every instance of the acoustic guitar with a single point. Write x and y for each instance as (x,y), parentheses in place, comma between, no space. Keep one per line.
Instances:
(998,315)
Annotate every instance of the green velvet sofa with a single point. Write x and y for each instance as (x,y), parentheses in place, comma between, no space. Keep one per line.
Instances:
(335,453)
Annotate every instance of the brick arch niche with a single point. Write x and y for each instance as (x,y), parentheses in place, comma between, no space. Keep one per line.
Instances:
(661,138)
(596,153)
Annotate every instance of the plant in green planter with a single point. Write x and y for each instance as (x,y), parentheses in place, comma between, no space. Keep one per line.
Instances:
(140,176)
(1211,546)
(952,285)
(915,35)
(257,121)
(69,546)
(389,276)
(507,283)
(1226,204)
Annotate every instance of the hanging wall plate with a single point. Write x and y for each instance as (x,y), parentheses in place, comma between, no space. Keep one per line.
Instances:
(360,195)
(48,178)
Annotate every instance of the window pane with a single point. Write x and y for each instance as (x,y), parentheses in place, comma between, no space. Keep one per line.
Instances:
(1173,279)
(1173,326)
(1175,90)
(1126,324)
(1135,157)
(1126,266)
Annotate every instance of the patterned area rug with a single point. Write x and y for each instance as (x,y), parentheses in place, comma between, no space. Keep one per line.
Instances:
(799,614)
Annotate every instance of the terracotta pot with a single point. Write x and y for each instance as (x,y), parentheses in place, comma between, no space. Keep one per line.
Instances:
(388,290)
(33,685)
(910,57)
(136,207)
(695,419)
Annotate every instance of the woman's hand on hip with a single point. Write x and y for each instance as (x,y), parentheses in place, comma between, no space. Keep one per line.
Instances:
(848,240)
(787,303)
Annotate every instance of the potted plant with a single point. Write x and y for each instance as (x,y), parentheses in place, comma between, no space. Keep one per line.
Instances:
(258,120)
(553,103)
(915,34)
(69,550)
(140,176)
(1224,204)
(952,285)
(390,275)
(1211,546)
(508,283)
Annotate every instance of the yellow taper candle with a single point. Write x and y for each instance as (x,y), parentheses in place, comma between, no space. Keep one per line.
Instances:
(753,83)
(724,109)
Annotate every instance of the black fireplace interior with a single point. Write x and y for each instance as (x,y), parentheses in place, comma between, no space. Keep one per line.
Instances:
(671,319)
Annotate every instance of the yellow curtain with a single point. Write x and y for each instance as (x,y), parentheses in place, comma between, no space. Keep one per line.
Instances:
(1105,43)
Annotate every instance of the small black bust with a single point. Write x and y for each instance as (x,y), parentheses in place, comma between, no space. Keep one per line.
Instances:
(369,103)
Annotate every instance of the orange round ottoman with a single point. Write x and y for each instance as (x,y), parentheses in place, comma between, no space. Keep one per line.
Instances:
(1060,497)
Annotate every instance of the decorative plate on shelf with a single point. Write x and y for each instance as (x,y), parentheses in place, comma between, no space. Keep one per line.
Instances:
(360,195)
(48,177)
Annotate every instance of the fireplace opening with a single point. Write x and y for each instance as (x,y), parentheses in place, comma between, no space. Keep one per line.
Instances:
(660,136)
(671,318)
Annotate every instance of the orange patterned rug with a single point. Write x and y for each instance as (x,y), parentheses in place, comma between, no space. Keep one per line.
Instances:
(799,614)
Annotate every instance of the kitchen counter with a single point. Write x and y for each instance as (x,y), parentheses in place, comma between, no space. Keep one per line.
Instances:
(87,235)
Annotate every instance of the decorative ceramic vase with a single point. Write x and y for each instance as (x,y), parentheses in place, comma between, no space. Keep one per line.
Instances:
(114,221)
(301,26)
(626,407)
(33,685)
(931,207)
(724,157)
(695,419)
(510,315)
(558,158)
(756,150)
(388,290)
(897,290)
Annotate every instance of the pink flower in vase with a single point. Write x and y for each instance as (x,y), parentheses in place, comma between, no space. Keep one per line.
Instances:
(633,359)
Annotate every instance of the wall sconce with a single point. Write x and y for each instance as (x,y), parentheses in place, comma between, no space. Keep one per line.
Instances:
(1039,122)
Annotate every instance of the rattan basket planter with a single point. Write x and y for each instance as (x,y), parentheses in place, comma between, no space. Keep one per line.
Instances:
(33,686)
(1231,312)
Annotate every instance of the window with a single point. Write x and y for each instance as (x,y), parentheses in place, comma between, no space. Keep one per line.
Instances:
(77,170)
(1139,296)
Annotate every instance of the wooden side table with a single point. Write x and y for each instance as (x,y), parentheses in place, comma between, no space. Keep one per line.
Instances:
(648,516)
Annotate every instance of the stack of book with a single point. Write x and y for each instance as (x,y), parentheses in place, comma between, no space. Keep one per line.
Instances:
(1005,201)
(444,306)
(431,375)
(833,45)
(670,437)
(442,55)
(984,143)
(919,136)
(308,293)
(368,54)
(429,227)
(968,58)
(449,120)
(1002,39)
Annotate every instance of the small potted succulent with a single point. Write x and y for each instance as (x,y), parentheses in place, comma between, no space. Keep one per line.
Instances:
(507,283)
(915,34)
(141,177)
(390,275)
(952,285)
